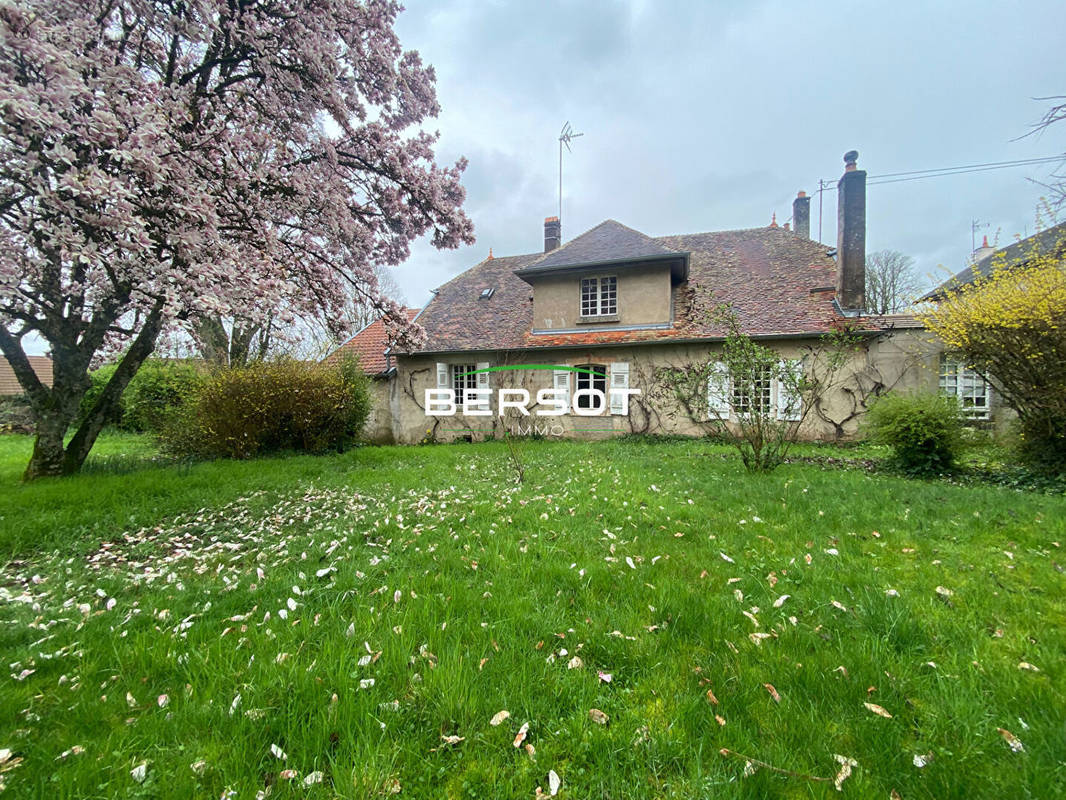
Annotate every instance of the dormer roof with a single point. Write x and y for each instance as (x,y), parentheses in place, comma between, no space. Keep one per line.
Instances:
(609,244)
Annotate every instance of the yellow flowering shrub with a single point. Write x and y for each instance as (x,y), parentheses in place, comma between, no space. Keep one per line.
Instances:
(1010,326)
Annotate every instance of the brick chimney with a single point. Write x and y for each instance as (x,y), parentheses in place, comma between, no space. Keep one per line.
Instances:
(553,233)
(851,236)
(801,215)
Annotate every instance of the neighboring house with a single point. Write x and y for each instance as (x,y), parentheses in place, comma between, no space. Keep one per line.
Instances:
(987,258)
(9,384)
(975,395)
(624,309)
(371,346)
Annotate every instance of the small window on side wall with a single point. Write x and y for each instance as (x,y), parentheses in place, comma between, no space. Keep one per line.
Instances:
(969,388)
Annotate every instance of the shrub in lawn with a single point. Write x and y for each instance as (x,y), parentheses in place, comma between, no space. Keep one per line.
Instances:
(273,406)
(923,430)
(159,390)
(15,415)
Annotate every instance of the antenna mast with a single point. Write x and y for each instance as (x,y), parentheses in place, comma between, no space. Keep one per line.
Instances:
(974,226)
(565,136)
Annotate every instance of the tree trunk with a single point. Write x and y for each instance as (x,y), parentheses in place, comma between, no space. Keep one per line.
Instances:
(85,437)
(47,458)
(56,408)
(213,340)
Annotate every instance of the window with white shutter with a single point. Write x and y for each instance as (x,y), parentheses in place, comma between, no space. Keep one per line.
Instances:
(619,380)
(561,385)
(718,391)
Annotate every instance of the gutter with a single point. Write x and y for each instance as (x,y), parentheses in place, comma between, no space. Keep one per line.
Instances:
(640,343)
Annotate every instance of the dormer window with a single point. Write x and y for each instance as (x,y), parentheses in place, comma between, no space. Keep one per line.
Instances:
(599,297)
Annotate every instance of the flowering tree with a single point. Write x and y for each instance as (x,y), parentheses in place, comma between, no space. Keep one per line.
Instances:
(1011,328)
(163,162)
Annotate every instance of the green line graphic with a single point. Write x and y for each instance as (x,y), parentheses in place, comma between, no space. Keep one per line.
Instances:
(552,367)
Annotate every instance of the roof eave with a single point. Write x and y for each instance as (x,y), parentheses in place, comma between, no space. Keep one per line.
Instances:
(679,274)
(665,340)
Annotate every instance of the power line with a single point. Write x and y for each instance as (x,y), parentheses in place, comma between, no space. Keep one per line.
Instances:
(920,174)
(940,172)
(1004,164)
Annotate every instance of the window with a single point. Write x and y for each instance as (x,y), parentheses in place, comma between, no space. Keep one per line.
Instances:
(760,398)
(593,376)
(972,391)
(463,378)
(599,297)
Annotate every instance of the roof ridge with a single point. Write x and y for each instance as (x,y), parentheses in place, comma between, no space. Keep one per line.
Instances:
(483,261)
(728,230)
(604,241)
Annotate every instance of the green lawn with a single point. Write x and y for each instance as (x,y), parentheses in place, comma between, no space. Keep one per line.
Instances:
(359,619)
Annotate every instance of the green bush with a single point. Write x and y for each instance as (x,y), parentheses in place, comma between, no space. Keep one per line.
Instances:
(923,430)
(160,390)
(272,406)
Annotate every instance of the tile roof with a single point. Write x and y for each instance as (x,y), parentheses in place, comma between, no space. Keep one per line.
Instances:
(1012,254)
(369,345)
(9,384)
(769,275)
(608,241)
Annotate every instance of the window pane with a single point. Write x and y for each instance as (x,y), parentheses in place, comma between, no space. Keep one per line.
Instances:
(596,381)
(608,296)
(599,296)
(967,386)
(463,378)
(589,300)
(759,398)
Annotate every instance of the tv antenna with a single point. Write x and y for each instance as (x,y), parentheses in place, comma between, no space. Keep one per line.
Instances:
(975,225)
(566,135)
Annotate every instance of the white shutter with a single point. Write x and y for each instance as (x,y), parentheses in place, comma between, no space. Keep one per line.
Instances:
(789,403)
(483,403)
(719,402)
(561,384)
(619,380)
(442,376)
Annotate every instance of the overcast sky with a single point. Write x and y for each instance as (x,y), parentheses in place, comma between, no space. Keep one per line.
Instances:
(704,116)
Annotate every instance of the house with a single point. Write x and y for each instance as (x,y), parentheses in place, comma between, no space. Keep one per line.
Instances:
(9,384)
(987,258)
(597,326)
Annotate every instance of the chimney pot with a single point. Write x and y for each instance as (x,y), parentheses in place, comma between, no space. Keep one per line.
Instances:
(773,220)
(851,235)
(553,233)
(787,227)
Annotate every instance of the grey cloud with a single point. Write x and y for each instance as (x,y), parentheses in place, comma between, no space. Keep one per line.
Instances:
(704,116)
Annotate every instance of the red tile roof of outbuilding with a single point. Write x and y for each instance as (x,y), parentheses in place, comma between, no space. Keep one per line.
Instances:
(369,345)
